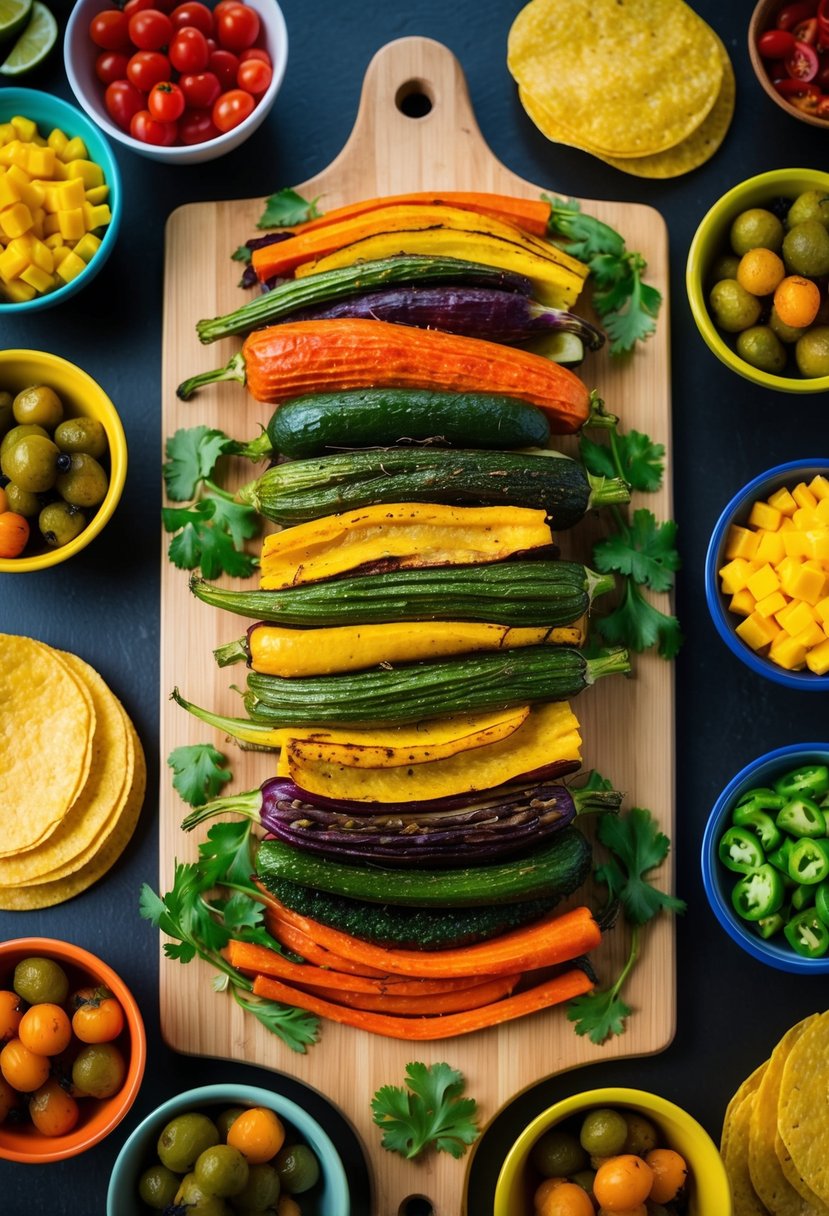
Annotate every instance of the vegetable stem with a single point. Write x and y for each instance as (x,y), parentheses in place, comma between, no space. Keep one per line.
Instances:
(595,584)
(589,802)
(231,652)
(247,804)
(611,663)
(257,449)
(569,323)
(234,370)
(604,491)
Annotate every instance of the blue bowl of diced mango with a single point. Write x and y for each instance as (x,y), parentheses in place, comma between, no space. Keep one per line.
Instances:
(767,574)
(60,200)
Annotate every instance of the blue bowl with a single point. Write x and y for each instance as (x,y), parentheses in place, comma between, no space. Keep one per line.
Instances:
(49,112)
(725,622)
(330,1197)
(718,881)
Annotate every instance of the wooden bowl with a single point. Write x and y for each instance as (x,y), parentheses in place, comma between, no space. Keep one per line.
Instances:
(762,19)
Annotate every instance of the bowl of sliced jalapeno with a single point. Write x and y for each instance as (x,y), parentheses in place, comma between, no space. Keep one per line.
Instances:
(765,858)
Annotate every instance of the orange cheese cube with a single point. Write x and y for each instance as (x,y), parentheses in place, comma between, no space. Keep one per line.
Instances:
(819,486)
(803,496)
(764,516)
(795,617)
(782,500)
(771,603)
(807,585)
(770,548)
(788,652)
(743,603)
(756,631)
(763,582)
(741,542)
(817,660)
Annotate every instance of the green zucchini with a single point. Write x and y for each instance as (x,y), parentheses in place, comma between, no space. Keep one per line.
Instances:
(381,417)
(415,692)
(406,928)
(556,868)
(505,593)
(308,489)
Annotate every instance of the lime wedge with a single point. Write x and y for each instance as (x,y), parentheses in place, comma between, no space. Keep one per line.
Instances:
(13,16)
(34,44)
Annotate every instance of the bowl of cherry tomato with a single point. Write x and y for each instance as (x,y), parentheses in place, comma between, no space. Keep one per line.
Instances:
(182,83)
(623,1148)
(788,44)
(72,1050)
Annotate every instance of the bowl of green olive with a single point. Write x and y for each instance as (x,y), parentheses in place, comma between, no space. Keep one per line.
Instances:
(63,460)
(756,279)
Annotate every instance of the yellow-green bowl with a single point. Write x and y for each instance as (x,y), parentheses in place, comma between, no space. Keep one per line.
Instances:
(80,394)
(711,240)
(708,1190)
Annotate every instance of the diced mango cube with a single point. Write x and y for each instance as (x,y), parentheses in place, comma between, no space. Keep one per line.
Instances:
(13,153)
(7,133)
(88,171)
(41,161)
(771,603)
(755,631)
(59,173)
(803,496)
(821,610)
(71,224)
(788,652)
(51,226)
(18,292)
(38,220)
(75,150)
(16,220)
(88,246)
(26,129)
(96,217)
(795,617)
(811,636)
(9,191)
(804,518)
(817,660)
(53,241)
(796,544)
(57,140)
(787,524)
(763,582)
(59,253)
(98,194)
(822,511)
(12,263)
(70,267)
(70,194)
(742,602)
(819,486)
(37,278)
(782,500)
(764,516)
(741,542)
(807,585)
(735,575)
(818,539)
(42,256)
(770,548)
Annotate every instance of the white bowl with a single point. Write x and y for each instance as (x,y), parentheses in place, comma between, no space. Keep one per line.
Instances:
(80,53)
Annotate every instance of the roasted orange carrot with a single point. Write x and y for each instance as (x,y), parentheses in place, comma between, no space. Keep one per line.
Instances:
(553,992)
(472,997)
(301,943)
(531,214)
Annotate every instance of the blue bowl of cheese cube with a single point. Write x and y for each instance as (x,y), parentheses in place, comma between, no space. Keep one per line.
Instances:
(767,574)
(60,200)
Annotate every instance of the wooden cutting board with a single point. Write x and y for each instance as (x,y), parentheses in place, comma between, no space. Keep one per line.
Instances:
(628,725)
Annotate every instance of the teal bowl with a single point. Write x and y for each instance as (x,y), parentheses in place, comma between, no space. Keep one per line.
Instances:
(330,1196)
(50,112)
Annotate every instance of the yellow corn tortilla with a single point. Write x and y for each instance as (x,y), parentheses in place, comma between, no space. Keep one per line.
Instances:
(47,894)
(47,723)
(734,1145)
(811,1205)
(803,1109)
(626,79)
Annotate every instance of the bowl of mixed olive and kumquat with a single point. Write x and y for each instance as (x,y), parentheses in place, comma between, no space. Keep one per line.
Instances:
(60,200)
(788,44)
(767,574)
(227,1149)
(765,858)
(63,460)
(756,278)
(72,1050)
(613,1151)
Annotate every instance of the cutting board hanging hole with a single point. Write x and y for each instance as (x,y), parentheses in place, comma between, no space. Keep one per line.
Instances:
(415,99)
(416,1205)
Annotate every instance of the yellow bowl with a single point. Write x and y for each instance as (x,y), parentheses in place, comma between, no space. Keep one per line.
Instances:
(80,395)
(708,1191)
(711,240)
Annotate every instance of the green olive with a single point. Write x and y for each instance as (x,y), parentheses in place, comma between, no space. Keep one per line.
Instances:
(734,308)
(194,1199)
(584,1179)
(40,979)
(812,352)
(756,229)
(59,523)
(31,463)
(642,1135)
(761,347)
(810,205)
(183,1141)
(227,1118)
(24,502)
(603,1132)
(724,268)
(6,414)
(157,1187)
(84,484)
(19,432)
(297,1167)
(82,435)
(221,1170)
(99,1071)
(261,1190)
(786,333)
(38,404)
(806,249)
(558,1154)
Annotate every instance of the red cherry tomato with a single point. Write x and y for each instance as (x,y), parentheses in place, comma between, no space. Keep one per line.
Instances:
(194,14)
(147,68)
(232,108)
(150,131)
(789,16)
(150,29)
(200,90)
(138,6)
(212,45)
(806,31)
(255,52)
(111,65)
(797,88)
(237,27)
(197,126)
(224,65)
(802,63)
(122,101)
(188,50)
(222,7)
(110,30)
(254,77)
(775,44)
(166,101)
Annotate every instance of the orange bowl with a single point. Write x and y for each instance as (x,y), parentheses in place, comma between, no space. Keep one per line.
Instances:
(23,1142)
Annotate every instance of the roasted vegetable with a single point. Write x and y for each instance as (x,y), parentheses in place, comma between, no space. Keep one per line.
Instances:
(417,691)
(285,361)
(545,593)
(400,536)
(300,490)
(531,214)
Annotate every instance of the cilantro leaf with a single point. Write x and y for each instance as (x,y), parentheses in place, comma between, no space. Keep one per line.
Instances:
(199,772)
(595,781)
(637,625)
(645,550)
(585,235)
(640,461)
(287,208)
(599,1014)
(295,1027)
(242,253)
(430,1112)
(205,541)
(637,847)
(597,458)
(192,454)
(628,310)
(238,518)
(225,856)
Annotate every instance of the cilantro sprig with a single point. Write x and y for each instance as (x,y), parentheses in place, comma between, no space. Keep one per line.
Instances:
(210,532)
(427,1111)
(201,922)
(627,304)
(286,208)
(199,772)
